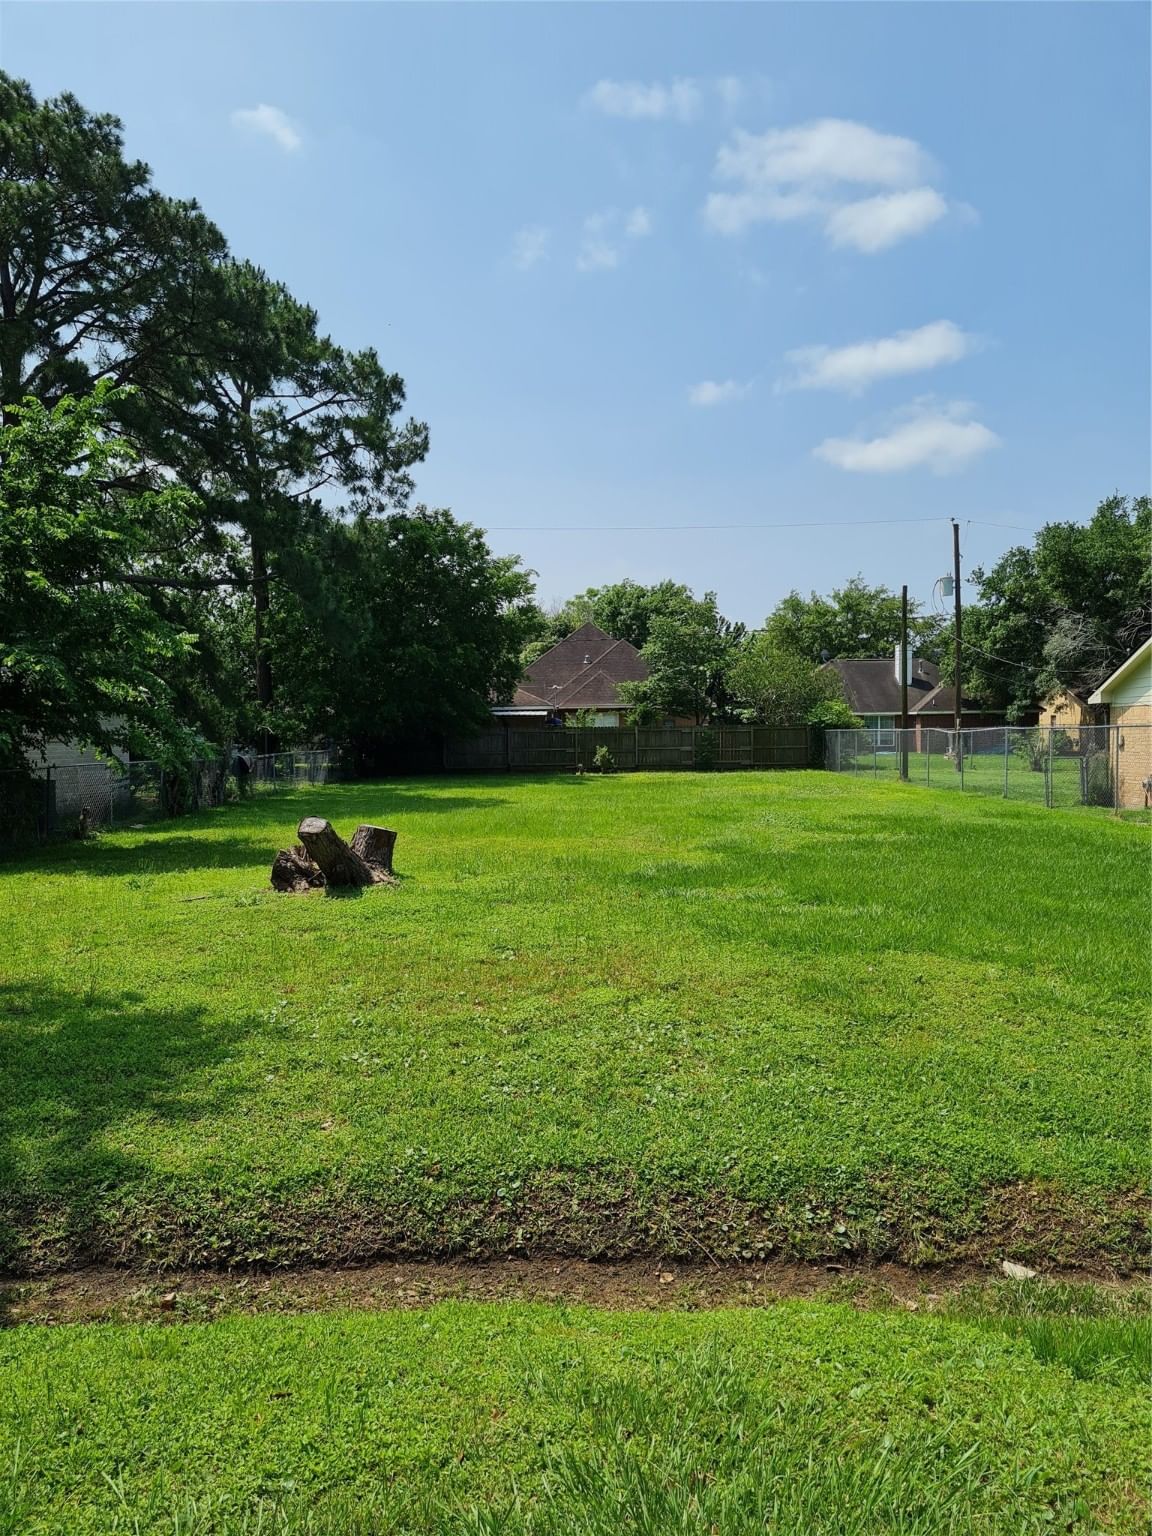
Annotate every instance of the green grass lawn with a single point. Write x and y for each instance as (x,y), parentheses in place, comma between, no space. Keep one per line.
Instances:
(985,773)
(800,1420)
(680,1013)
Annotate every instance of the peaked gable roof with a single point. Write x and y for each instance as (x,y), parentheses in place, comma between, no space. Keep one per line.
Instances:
(1139,657)
(872,688)
(582,670)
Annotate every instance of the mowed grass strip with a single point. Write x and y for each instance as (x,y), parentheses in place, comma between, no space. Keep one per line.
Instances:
(710,1014)
(806,1419)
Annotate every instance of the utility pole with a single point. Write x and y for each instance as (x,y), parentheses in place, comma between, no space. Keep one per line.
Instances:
(904,682)
(958,690)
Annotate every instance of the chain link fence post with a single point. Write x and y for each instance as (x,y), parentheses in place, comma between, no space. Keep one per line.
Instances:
(1048,771)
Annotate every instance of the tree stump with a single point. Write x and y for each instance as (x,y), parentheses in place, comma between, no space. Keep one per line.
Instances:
(293,870)
(322,857)
(338,863)
(375,845)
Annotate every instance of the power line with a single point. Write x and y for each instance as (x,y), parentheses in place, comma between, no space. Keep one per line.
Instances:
(845,522)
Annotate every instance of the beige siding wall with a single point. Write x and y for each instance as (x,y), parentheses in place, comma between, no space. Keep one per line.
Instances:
(1065,709)
(1135,688)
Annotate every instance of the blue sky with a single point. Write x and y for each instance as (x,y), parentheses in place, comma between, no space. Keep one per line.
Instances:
(699,264)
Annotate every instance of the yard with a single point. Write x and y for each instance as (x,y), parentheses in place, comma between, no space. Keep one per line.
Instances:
(709,1017)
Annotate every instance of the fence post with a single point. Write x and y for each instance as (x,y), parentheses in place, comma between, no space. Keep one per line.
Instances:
(635,746)
(875,751)
(1048,773)
(111,799)
(1005,762)
(960,755)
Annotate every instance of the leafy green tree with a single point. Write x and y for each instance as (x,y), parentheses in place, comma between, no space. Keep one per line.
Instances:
(426,631)
(624,609)
(263,419)
(855,620)
(99,273)
(1063,613)
(778,687)
(689,654)
(85,653)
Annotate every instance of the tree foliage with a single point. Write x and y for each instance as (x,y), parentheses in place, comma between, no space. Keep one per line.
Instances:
(99,273)
(778,687)
(86,653)
(285,454)
(426,626)
(689,652)
(263,419)
(1064,613)
(625,610)
(854,620)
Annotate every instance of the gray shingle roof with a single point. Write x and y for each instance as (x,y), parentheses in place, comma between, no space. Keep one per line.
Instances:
(871,686)
(582,670)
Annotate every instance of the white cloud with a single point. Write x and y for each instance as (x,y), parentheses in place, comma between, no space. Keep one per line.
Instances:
(271,122)
(530,246)
(638,224)
(805,172)
(679,100)
(711,392)
(875,223)
(730,213)
(827,151)
(604,235)
(854,367)
(730,89)
(941,439)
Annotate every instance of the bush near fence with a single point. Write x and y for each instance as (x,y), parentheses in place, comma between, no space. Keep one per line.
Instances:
(49,801)
(1100,765)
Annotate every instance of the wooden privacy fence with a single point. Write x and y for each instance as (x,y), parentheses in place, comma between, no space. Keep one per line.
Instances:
(563,749)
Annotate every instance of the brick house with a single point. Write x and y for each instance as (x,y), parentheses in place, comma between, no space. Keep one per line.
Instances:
(871,686)
(1127,696)
(580,673)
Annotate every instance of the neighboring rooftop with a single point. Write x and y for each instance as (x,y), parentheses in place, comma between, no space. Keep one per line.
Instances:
(872,687)
(580,672)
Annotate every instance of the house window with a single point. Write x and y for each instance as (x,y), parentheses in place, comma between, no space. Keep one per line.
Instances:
(606,719)
(884,727)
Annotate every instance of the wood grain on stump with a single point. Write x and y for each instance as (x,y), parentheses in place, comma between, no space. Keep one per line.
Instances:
(375,845)
(322,857)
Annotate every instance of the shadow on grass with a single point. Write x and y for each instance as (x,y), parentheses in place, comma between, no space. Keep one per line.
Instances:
(79,1068)
(247,835)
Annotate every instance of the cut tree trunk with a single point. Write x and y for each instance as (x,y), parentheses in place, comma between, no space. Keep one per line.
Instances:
(375,845)
(337,862)
(293,870)
(322,857)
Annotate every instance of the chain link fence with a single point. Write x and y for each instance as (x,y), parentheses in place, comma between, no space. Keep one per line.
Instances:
(41,802)
(1100,765)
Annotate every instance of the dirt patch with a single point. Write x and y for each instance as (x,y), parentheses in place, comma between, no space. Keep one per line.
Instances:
(602,1215)
(105,1294)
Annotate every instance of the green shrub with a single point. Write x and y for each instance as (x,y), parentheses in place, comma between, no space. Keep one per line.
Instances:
(1033,747)
(833,715)
(704,751)
(603,761)
(1096,779)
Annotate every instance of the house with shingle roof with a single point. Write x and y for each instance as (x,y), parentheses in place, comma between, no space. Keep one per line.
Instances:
(580,673)
(871,685)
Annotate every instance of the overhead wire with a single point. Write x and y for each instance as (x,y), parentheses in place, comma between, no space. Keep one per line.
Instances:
(844,522)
